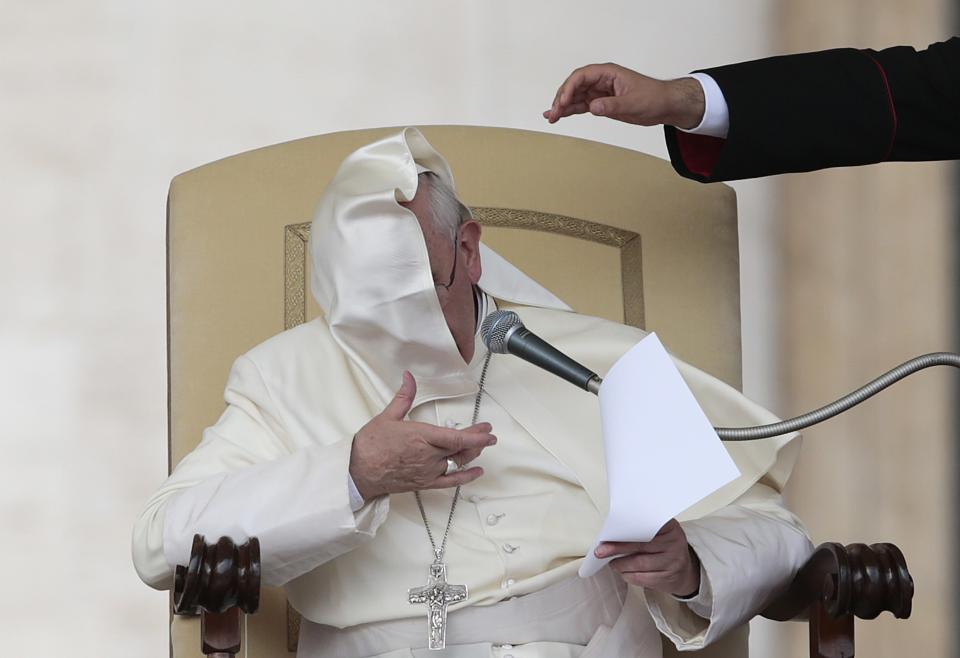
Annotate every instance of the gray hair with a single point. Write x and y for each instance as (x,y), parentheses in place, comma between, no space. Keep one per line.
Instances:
(447,210)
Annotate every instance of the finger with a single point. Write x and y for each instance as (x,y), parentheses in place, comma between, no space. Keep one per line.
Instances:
(589,93)
(461,459)
(555,112)
(575,108)
(429,430)
(556,98)
(581,78)
(465,456)
(607,106)
(639,563)
(554,116)
(606,549)
(575,85)
(483,428)
(670,526)
(450,442)
(400,405)
(456,479)
(656,580)
(593,94)
(576,105)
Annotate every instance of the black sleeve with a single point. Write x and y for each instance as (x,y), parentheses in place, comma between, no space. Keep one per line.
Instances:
(834,108)
(925,90)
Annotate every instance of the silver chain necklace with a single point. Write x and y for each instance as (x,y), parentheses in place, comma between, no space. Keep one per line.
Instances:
(437,594)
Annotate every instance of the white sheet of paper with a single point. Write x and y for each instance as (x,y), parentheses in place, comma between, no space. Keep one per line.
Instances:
(663,455)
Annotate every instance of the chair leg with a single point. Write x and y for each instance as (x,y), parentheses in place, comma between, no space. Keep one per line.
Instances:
(220,633)
(829,637)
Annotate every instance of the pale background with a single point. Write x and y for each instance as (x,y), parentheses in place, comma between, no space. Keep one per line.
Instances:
(104,101)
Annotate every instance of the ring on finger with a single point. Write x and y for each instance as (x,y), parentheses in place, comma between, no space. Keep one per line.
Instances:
(452,466)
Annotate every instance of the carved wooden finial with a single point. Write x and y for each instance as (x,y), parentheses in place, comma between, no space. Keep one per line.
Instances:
(857,580)
(868,580)
(220,576)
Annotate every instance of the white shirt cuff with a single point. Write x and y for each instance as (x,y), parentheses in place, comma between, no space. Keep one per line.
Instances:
(716,116)
(356,500)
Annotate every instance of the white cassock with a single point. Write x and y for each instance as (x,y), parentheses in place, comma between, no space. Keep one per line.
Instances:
(276,464)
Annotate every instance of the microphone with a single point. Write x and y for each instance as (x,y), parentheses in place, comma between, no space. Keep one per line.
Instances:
(503,333)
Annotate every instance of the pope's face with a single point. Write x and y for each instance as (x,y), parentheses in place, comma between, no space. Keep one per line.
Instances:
(455,266)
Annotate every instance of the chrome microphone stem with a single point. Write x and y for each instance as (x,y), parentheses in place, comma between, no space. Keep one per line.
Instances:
(826,412)
(503,333)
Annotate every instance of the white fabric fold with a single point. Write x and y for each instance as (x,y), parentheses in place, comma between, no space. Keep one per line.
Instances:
(371,271)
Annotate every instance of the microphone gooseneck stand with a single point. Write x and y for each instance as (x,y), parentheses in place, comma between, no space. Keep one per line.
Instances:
(839,406)
(504,333)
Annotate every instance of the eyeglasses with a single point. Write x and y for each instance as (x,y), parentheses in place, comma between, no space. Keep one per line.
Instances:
(453,271)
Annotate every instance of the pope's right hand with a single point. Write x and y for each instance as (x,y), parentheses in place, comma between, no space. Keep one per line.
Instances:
(393,455)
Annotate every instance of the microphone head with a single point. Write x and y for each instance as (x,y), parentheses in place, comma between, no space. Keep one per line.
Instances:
(495,328)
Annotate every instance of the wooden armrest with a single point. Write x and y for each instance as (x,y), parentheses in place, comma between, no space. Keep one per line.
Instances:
(221,580)
(835,585)
(839,583)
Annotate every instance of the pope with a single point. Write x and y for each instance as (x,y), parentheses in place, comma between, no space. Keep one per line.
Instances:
(410,492)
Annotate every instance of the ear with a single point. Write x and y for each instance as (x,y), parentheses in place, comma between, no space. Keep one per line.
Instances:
(470,246)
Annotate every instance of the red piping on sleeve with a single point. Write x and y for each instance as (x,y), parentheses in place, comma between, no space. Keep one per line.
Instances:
(699,152)
(893,108)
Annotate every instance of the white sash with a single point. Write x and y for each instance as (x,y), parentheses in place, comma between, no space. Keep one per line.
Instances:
(558,621)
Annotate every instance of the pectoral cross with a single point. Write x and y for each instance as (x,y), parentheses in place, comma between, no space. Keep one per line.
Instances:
(437,594)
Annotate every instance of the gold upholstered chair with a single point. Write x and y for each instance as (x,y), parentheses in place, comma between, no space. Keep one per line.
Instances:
(612,232)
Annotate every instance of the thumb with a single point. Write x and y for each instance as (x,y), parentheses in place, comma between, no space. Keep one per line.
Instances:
(400,404)
(609,106)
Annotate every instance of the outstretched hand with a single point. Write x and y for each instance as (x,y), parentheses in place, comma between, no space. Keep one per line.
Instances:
(666,563)
(393,455)
(611,90)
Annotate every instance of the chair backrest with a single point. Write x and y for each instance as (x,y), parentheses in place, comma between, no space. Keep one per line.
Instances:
(613,232)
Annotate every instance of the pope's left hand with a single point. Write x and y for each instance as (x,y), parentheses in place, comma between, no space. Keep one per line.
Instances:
(666,563)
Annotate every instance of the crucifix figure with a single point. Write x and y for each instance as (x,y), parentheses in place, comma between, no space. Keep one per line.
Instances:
(437,594)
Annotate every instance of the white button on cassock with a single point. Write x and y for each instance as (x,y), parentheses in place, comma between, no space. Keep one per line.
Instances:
(510,548)
(494,519)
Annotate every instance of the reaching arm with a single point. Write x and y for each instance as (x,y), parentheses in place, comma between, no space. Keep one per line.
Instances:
(793,113)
